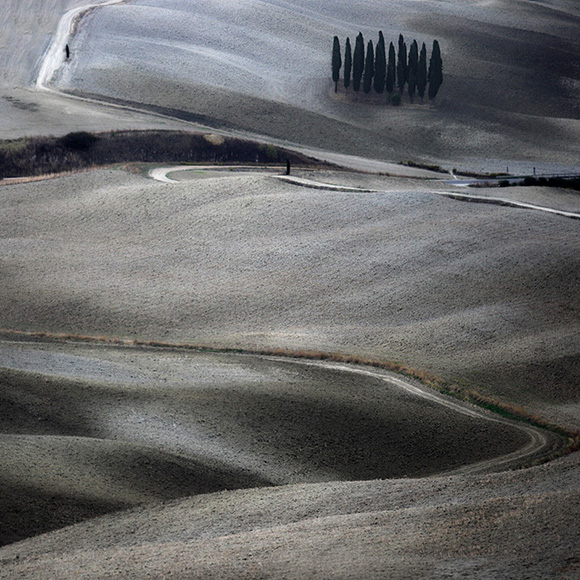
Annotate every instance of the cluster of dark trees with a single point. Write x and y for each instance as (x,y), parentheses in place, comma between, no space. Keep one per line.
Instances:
(385,70)
(80,150)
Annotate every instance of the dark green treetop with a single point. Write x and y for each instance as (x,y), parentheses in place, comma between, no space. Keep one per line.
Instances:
(347,63)
(413,69)
(435,74)
(391,70)
(369,70)
(336,62)
(402,64)
(380,65)
(358,62)
(422,72)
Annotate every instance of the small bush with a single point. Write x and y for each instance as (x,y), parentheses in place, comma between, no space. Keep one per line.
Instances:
(270,152)
(216,140)
(428,166)
(79,141)
(396,99)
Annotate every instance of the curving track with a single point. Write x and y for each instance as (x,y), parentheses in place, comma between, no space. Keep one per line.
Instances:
(151,369)
(162,174)
(507,203)
(55,56)
(540,443)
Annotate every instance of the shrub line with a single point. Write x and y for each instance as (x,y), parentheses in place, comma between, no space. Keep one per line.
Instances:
(511,411)
(35,156)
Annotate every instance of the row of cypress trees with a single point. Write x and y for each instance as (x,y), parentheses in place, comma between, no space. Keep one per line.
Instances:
(384,71)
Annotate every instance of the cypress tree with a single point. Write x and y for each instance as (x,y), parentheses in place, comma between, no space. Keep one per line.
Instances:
(358,62)
(413,69)
(435,75)
(380,65)
(347,63)
(369,70)
(402,64)
(336,62)
(391,74)
(422,72)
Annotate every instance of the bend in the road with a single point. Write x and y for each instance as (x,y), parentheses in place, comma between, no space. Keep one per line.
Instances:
(541,442)
(55,55)
(161,174)
(506,202)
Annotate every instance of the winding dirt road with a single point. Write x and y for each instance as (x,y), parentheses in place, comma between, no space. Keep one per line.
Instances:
(540,443)
(506,202)
(55,55)
(26,357)
(162,174)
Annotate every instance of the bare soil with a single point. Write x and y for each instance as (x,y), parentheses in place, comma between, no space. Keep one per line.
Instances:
(245,259)
(509,94)
(249,260)
(100,429)
(484,295)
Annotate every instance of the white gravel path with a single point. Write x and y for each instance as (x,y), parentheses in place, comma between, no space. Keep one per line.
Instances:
(507,202)
(55,56)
